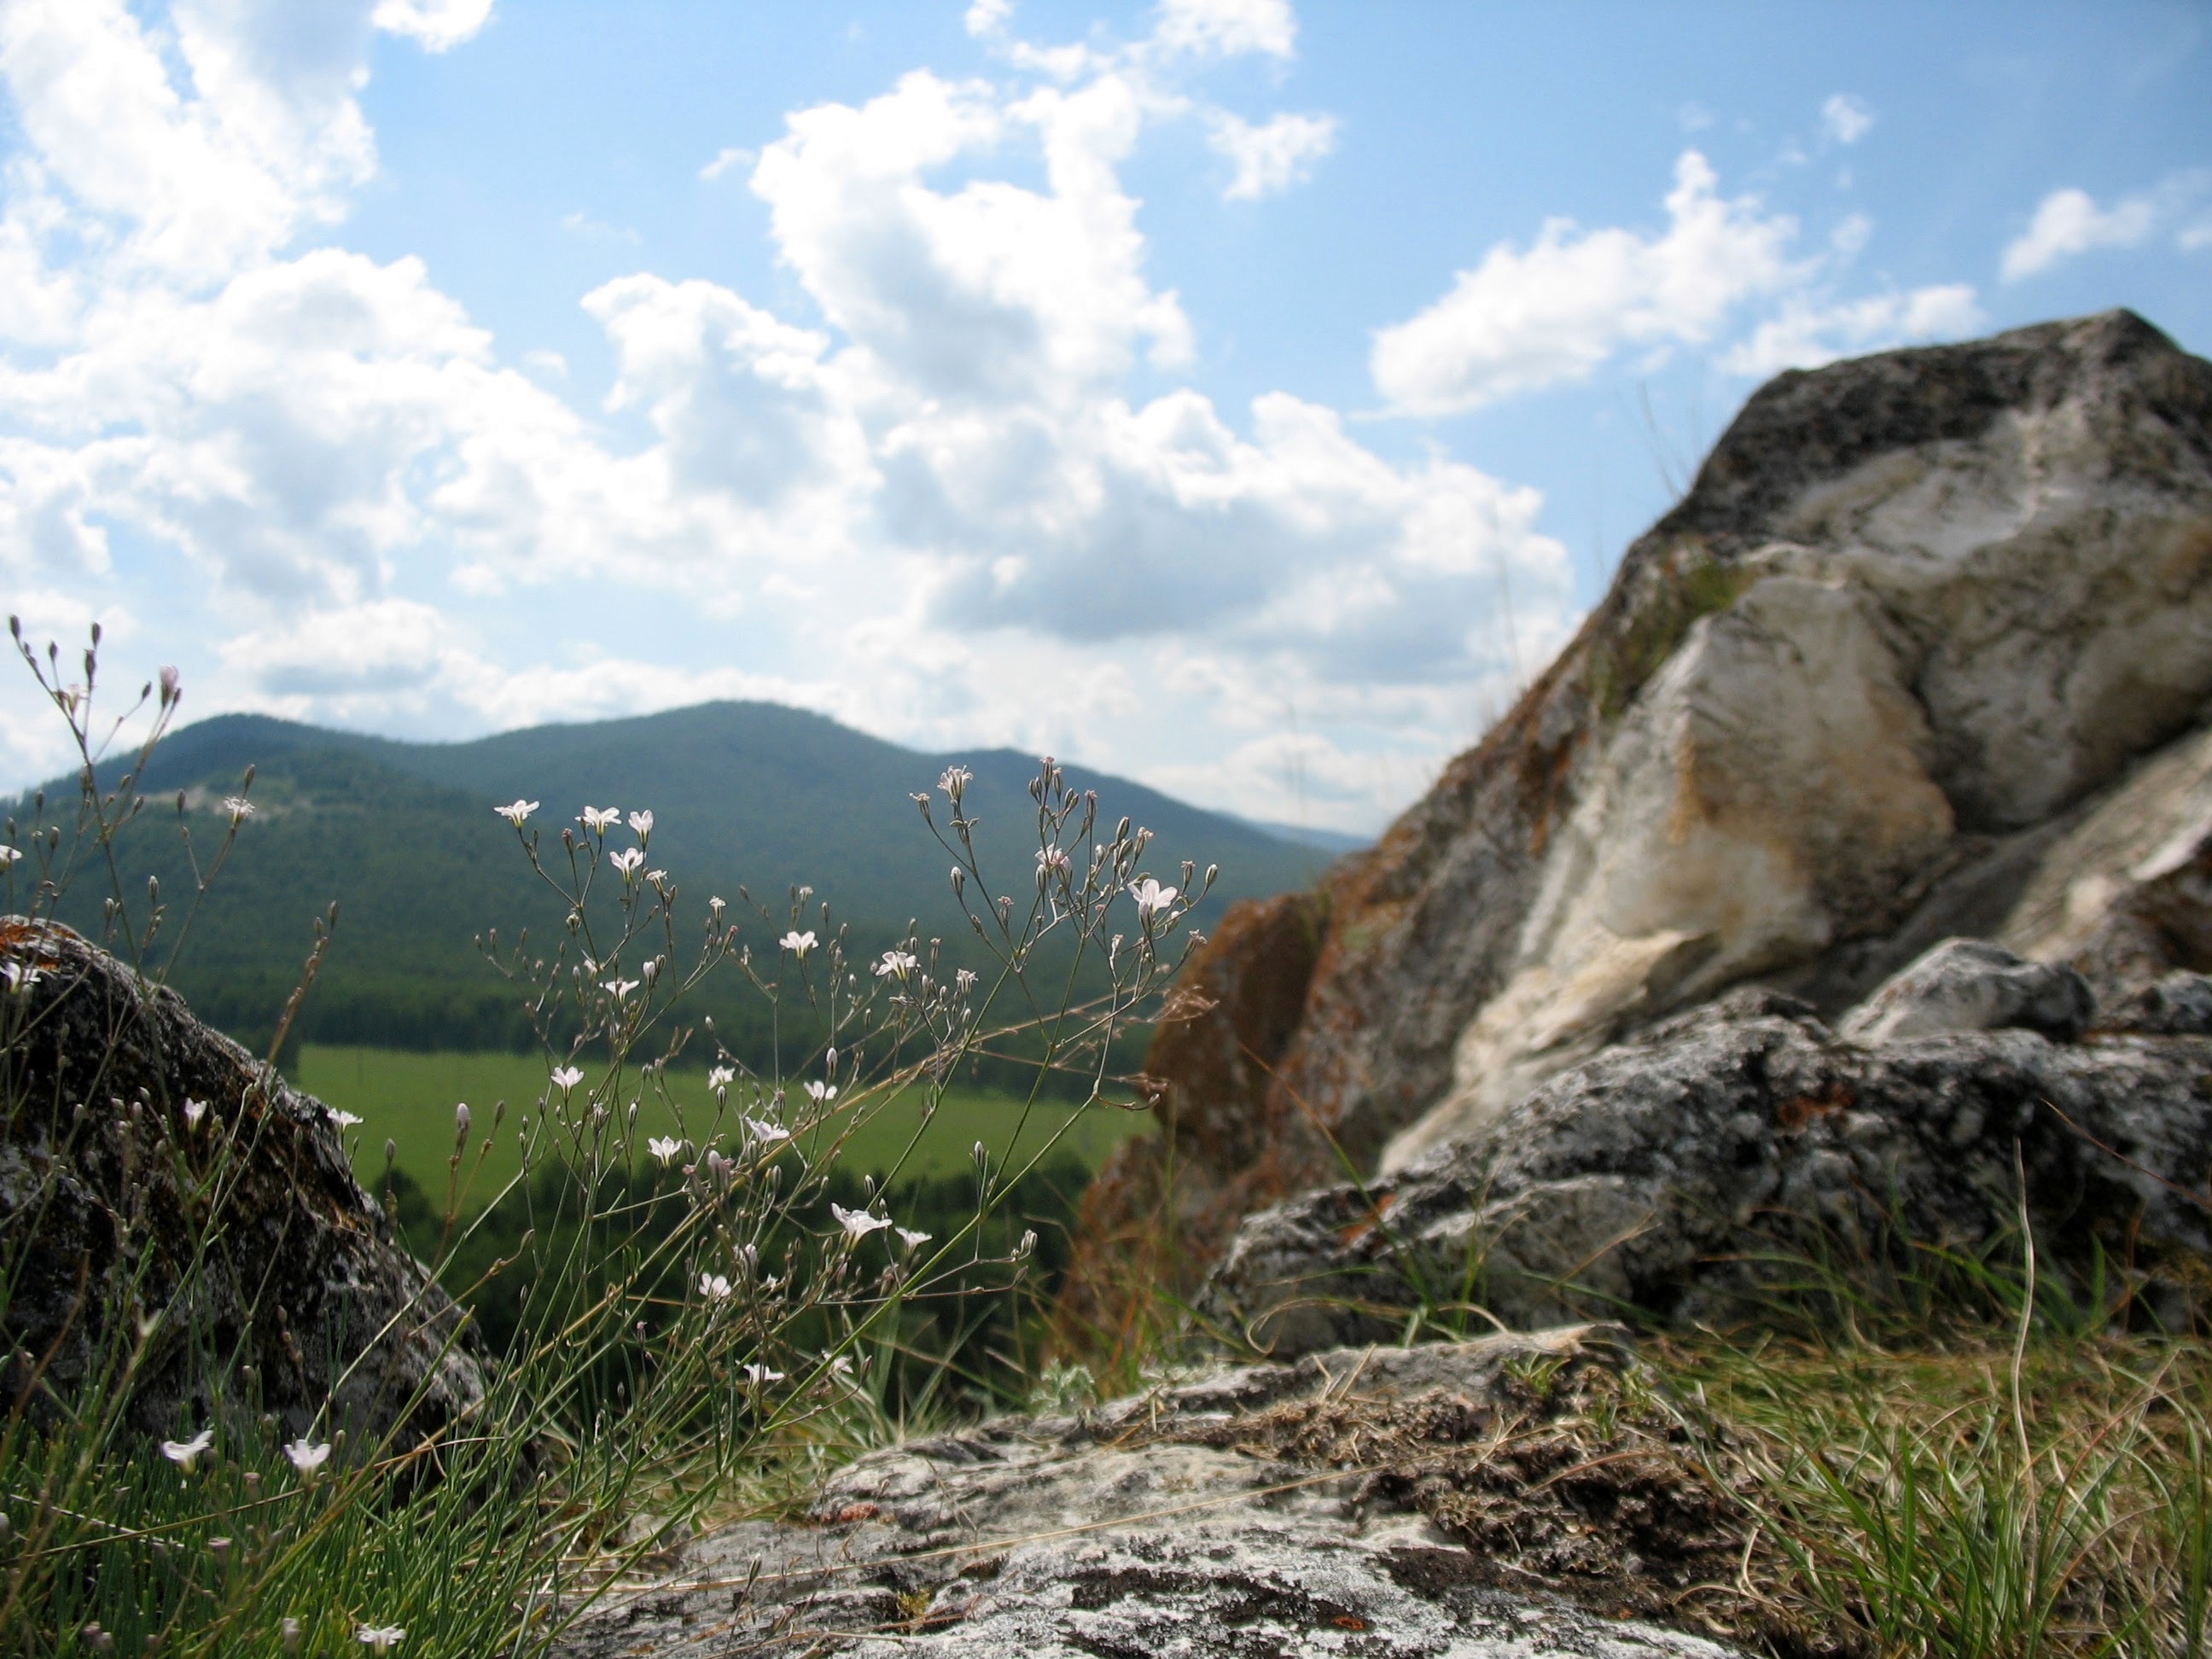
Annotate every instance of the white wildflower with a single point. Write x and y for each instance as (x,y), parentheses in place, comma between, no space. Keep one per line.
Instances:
(516,810)
(618,988)
(642,822)
(9,856)
(1151,898)
(664,1148)
(566,1077)
(857,1224)
(598,817)
(380,1638)
(901,962)
(798,944)
(344,1120)
(185,1452)
(757,1375)
(965,979)
(1051,860)
(627,861)
(721,1077)
(954,781)
(910,1238)
(819,1092)
(766,1133)
(307,1456)
(240,808)
(194,1111)
(714,1286)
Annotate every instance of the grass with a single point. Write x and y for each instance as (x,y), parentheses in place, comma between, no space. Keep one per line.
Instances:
(1974,1500)
(409,1099)
(1959,1460)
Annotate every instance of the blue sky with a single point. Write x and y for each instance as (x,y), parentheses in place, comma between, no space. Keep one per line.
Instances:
(1244,397)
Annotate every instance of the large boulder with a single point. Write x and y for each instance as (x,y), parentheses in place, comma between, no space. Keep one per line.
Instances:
(1512,1497)
(163,1191)
(1717,1163)
(1867,686)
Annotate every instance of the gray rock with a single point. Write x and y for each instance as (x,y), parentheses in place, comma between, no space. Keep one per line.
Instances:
(1971,985)
(2179,1005)
(1669,1173)
(1853,695)
(1376,1503)
(107,1185)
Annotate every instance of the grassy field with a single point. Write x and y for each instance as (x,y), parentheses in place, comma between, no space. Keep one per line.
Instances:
(409,1099)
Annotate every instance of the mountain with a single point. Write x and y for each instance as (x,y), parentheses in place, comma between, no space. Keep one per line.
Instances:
(1335,842)
(404,837)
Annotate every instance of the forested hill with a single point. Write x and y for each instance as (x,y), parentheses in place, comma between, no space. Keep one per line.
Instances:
(404,837)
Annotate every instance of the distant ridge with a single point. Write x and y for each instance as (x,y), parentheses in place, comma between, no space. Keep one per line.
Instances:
(1336,843)
(403,836)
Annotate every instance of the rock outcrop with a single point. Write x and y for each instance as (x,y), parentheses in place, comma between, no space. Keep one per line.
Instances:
(161,1189)
(1919,655)
(1709,1167)
(1514,1497)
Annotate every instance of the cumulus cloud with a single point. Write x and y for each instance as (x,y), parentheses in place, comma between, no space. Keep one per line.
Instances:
(936,490)
(727,160)
(1272,157)
(437,25)
(2068,223)
(1809,332)
(1845,119)
(1554,312)
(259,136)
(1227,28)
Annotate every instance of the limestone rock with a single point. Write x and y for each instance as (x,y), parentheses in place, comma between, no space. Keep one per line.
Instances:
(1973,985)
(109,1177)
(1681,1171)
(1379,1503)
(1866,687)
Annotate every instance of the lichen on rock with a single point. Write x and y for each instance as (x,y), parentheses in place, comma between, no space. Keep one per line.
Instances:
(166,1199)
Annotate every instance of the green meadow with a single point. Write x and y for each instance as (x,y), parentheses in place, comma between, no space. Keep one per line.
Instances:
(409,1099)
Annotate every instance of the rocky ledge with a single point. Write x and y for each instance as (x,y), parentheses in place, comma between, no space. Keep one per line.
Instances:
(1707,1168)
(1508,1497)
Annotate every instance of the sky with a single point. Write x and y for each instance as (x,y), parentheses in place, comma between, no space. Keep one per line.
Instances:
(1243,397)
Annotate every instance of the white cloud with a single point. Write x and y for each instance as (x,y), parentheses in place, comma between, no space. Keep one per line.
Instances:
(438,25)
(1845,119)
(1272,157)
(2069,222)
(378,648)
(934,501)
(197,180)
(987,16)
(991,291)
(1807,332)
(1227,28)
(726,161)
(1524,320)
(580,224)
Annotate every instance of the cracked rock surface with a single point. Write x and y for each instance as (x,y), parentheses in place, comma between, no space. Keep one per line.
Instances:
(1443,1502)
(1683,1171)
